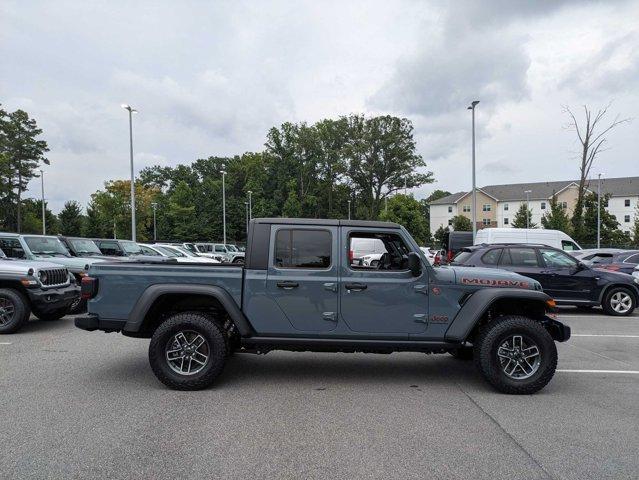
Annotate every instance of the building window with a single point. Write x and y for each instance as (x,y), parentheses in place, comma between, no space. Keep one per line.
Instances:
(450,223)
(505,207)
(486,207)
(543,205)
(450,209)
(626,202)
(626,218)
(506,221)
(486,222)
(466,208)
(563,205)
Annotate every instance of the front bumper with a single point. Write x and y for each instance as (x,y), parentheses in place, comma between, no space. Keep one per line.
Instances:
(48,300)
(91,322)
(557,330)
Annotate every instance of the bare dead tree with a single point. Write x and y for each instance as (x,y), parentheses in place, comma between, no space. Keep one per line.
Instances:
(592,138)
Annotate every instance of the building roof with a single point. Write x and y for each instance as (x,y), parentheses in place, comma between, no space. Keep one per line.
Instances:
(616,187)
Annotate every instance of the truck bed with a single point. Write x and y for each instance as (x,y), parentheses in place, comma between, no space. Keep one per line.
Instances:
(126,281)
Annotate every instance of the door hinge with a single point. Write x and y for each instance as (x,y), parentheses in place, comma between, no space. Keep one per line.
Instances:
(330,316)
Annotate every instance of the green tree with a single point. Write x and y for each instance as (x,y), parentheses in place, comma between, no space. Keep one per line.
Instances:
(292,206)
(611,235)
(439,236)
(180,213)
(462,224)
(71,219)
(556,218)
(635,227)
(520,218)
(407,211)
(32,217)
(382,159)
(22,152)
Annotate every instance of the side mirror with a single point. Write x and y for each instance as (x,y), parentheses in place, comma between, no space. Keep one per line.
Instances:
(414,264)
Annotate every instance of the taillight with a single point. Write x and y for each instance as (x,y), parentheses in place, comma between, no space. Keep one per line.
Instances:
(89,287)
(449,256)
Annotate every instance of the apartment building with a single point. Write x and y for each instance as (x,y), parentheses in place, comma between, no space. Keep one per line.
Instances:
(497,205)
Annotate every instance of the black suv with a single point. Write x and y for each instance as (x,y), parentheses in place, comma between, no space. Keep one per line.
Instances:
(564,278)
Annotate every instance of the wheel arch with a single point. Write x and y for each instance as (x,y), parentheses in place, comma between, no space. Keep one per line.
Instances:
(159,299)
(485,304)
(634,290)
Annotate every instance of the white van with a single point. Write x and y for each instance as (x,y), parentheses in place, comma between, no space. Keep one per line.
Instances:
(552,238)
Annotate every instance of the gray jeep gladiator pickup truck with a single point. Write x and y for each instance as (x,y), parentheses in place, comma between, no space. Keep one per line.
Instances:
(301,290)
(46,289)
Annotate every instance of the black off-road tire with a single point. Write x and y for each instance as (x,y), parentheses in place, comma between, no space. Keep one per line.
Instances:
(606,304)
(53,315)
(21,310)
(463,353)
(494,334)
(198,322)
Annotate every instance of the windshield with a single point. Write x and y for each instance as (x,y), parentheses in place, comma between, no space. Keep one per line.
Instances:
(2,255)
(46,246)
(190,247)
(130,247)
(232,248)
(169,251)
(85,247)
(462,257)
(186,252)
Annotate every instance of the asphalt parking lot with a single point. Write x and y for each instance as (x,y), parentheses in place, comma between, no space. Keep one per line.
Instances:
(86,405)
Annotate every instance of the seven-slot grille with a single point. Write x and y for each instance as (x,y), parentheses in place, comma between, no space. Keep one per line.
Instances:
(53,276)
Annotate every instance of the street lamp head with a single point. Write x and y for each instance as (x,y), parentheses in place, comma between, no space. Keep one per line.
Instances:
(129,108)
(473,105)
(223,172)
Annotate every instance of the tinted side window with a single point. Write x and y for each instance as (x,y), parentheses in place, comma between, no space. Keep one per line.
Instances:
(110,248)
(568,246)
(632,259)
(12,247)
(520,257)
(491,257)
(555,259)
(303,248)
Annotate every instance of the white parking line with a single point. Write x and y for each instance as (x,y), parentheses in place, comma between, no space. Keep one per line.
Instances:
(602,335)
(5,343)
(633,317)
(630,372)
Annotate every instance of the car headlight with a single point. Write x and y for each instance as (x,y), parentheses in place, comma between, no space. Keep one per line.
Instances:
(636,279)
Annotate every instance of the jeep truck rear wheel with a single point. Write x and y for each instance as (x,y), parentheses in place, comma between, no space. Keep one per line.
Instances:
(188,351)
(516,355)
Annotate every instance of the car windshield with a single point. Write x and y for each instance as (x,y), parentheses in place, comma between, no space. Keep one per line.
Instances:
(186,252)
(2,255)
(190,247)
(85,247)
(232,248)
(49,246)
(170,251)
(131,247)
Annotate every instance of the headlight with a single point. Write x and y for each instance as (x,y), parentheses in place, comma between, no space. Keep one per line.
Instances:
(636,279)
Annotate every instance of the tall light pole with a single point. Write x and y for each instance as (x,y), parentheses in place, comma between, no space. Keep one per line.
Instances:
(474,195)
(131,111)
(246,204)
(250,205)
(599,212)
(44,219)
(155,227)
(527,192)
(349,209)
(224,206)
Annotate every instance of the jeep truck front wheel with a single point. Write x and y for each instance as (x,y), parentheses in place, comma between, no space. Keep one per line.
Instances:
(516,355)
(188,351)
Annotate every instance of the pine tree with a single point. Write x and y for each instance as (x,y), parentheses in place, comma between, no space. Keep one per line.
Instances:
(556,218)
(520,218)
(71,219)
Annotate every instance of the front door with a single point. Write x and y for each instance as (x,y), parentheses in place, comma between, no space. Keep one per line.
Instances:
(381,297)
(564,280)
(302,276)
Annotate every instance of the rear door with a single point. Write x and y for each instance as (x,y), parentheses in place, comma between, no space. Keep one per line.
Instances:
(302,276)
(525,261)
(385,298)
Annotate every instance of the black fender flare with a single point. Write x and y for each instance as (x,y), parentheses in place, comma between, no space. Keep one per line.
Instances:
(479,302)
(152,293)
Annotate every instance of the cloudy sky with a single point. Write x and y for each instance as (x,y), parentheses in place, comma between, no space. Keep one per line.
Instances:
(210,78)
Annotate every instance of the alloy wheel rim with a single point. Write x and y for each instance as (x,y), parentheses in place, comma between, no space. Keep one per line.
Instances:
(519,357)
(621,302)
(7,311)
(187,352)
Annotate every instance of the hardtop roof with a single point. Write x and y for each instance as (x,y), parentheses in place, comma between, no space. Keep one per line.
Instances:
(327,222)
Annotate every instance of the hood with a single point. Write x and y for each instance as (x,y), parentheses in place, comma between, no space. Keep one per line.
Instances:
(492,277)
(615,276)
(21,267)
(73,263)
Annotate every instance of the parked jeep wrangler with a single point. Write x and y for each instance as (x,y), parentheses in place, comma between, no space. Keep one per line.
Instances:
(46,289)
(300,290)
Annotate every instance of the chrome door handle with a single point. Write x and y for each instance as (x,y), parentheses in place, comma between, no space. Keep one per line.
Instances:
(330,316)
(420,318)
(421,289)
(330,286)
